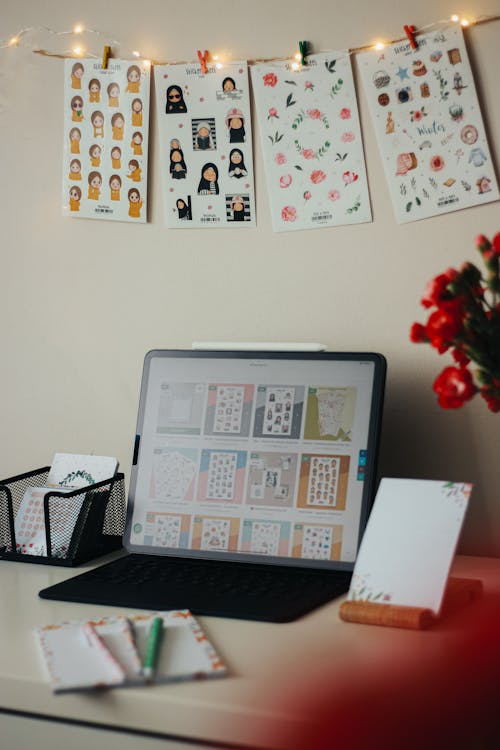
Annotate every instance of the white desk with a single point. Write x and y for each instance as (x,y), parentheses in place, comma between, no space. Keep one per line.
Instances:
(272,667)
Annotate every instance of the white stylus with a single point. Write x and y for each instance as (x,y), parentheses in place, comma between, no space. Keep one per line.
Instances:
(259,346)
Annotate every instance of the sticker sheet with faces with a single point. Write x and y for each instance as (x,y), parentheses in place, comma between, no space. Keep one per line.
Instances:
(229,409)
(106,126)
(206,144)
(429,127)
(323,481)
(279,410)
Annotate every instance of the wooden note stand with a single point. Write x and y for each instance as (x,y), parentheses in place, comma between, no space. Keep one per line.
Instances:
(459,592)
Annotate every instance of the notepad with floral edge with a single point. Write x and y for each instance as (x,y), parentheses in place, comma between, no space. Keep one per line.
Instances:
(402,568)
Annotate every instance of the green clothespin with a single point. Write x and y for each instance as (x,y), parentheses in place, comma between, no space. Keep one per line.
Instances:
(303,49)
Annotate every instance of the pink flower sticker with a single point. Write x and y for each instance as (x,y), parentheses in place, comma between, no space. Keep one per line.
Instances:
(347,137)
(285,180)
(270,79)
(317,176)
(345,113)
(280,158)
(334,195)
(273,112)
(314,114)
(308,153)
(349,177)
(289,213)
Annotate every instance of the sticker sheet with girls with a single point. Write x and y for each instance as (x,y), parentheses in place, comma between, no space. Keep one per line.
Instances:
(106,118)
(206,145)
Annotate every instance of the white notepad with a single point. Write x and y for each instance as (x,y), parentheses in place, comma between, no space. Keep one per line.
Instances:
(75,662)
(409,543)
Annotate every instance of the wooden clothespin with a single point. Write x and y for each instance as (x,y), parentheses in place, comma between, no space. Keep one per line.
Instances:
(106,54)
(410,33)
(203,58)
(304,50)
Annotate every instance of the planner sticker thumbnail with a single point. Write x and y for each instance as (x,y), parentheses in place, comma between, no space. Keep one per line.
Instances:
(180,410)
(271,479)
(221,475)
(323,481)
(174,472)
(278,412)
(311,139)
(106,122)
(265,537)
(229,410)
(163,530)
(206,145)
(330,414)
(429,127)
(215,533)
(317,542)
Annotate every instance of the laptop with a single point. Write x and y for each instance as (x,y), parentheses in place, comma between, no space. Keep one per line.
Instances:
(252,480)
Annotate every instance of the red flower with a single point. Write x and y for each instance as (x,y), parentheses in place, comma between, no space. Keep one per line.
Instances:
(442,327)
(491,398)
(436,291)
(496,243)
(418,334)
(460,358)
(270,79)
(289,213)
(317,176)
(454,387)
(314,114)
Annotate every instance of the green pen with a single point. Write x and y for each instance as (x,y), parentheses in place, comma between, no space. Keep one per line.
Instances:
(153,648)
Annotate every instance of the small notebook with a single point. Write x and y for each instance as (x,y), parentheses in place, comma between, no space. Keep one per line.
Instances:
(76,660)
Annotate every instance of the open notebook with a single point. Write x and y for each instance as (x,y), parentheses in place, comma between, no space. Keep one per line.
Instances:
(252,480)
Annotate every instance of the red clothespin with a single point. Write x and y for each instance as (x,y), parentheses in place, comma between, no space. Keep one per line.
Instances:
(203,58)
(410,33)
(105,57)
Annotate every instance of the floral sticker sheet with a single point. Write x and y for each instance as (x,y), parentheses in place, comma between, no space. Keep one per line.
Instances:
(206,145)
(429,127)
(311,140)
(106,123)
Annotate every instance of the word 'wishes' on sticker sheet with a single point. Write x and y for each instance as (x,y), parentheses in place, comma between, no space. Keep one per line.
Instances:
(106,121)
(206,145)
(311,141)
(429,127)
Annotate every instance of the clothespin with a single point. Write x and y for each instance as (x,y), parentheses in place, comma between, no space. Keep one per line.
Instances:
(203,58)
(410,33)
(105,56)
(303,49)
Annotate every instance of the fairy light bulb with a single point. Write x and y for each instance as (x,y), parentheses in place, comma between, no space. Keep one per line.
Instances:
(295,66)
(218,65)
(464,22)
(298,56)
(146,63)
(136,53)
(455,18)
(78,28)
(78,50)
(379,46)
(14,41)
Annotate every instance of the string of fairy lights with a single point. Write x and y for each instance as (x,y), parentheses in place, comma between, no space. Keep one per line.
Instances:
(26,37)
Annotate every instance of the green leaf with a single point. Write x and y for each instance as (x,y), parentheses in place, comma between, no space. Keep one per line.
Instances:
(292,83)
(418,201)
(289,101)
(298,167)
(408,207)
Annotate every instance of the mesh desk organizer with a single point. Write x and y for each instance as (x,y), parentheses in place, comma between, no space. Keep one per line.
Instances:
(96,515)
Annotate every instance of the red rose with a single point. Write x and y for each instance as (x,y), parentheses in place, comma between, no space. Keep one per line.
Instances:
(491,398)
(436,290)
(442,327)
(482,243)
(460,358)
(418,334)
(314,114)
(270,79)
(496,243)
(454,387)
(317,176)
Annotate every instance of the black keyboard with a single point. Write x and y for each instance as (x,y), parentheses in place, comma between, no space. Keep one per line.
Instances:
(274,593)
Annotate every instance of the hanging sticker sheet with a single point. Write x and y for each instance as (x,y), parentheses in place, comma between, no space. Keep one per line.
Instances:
(106,119)
(206,145)
(429,127)
(311,140)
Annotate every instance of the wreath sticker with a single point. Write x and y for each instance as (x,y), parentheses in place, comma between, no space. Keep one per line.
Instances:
(312,114)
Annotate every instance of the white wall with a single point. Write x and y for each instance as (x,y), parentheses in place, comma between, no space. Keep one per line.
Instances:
(79,309)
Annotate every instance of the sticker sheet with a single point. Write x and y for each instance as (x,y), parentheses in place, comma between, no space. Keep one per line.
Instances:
(106,121)
(221,475)
(429,127)
(174,472)
(330,414)
(311,140)
(323,480)
(317,541)
(215,533)
(229,409)
(206,145)
(265,538)
(271,479)
(167,531)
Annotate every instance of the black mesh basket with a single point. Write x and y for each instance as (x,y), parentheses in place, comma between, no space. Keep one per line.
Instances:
(78,525)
